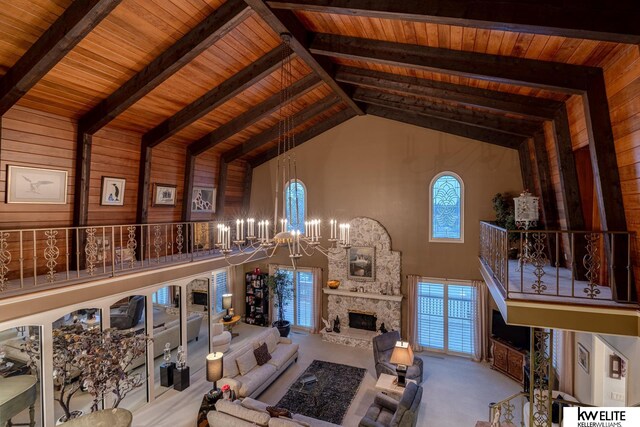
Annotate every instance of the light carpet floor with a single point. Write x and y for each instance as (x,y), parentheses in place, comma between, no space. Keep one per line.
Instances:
(457,391)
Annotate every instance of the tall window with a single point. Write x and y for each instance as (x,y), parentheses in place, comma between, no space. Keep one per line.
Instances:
(447,316)
(300,309)
(162,296)
(295,202)
(447,208)
(220,287)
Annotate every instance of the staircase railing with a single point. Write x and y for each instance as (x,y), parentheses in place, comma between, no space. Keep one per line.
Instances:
(512,411)
(593,267)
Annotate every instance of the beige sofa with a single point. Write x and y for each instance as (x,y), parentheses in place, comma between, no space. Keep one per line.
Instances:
(250,413)
(248,379)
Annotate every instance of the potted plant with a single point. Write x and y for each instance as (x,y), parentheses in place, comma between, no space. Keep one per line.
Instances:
(281,289)
(505,217)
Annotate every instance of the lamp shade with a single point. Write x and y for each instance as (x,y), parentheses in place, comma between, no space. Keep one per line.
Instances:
(226,301)
(214,366)
(402,354)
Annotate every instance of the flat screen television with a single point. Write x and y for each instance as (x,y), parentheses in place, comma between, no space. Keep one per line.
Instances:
(517,336)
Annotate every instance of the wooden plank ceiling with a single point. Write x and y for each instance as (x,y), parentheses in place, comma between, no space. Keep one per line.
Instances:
(121,47)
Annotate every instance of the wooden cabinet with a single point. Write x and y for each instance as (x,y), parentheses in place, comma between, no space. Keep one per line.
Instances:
(508,359)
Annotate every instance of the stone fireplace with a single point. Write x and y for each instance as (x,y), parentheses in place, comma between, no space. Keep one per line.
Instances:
(362,306)
(362,320)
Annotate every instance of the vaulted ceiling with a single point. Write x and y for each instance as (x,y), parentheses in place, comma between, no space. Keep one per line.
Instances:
(205,73)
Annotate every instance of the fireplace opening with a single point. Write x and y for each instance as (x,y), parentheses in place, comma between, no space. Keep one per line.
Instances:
(362,320)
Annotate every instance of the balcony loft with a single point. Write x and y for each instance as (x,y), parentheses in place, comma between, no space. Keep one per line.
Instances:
(575,280)
(68,262)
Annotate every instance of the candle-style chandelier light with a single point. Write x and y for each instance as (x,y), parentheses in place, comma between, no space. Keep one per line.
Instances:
(265,238)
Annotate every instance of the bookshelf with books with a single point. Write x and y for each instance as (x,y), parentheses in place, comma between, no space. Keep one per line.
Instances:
(257,299)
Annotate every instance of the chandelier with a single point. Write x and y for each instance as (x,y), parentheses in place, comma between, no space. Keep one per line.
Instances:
(264,236)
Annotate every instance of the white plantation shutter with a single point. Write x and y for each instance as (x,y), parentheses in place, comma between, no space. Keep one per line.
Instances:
(461,318)
(220,287)
(557,348)
(162,296)
(447,314)
(431,315)
(300,310)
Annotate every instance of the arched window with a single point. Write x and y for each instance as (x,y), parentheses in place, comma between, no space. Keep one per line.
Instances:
(295,205)
(446,198)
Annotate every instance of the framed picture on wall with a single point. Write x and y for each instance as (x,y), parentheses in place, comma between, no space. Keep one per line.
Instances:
(164,195)
(112,191)
(35,185)
(203,199)
(583,358)
(361,263)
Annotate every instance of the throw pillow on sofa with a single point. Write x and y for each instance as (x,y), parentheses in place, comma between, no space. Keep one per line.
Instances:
(278,412)
(271,342)
(246,362)
(262,354)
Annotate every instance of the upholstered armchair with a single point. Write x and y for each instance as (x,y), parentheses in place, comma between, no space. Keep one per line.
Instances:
(383,347)
(128,315)
(388,412)
(220,339)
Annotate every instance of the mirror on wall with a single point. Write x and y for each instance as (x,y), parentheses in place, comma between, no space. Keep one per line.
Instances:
(128,342)
(166,335)
(197,324)
(72,334)
(20,368)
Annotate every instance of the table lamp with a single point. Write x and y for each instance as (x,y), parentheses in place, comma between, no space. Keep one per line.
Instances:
(226,304)
(402,356)
(214,368)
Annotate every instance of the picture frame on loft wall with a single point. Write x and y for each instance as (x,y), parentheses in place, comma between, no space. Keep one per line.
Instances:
(361,263)
(164,194)
(583,358)
(203,200)
(36,185)
(112,193)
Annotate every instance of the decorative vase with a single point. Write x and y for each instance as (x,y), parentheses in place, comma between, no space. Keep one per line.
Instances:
(284,327)
(333,284)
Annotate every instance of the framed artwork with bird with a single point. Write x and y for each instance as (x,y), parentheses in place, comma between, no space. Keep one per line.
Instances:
(112,191)
(35,185)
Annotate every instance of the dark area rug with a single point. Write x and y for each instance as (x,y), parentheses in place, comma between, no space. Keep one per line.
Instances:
(329,398)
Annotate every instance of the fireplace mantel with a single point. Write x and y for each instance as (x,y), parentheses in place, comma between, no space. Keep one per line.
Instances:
(369,295)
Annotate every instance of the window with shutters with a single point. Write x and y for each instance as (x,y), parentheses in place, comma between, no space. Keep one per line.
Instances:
(447,315)
(446,199)
(295,197)
(162,296)
(220,287)
(300,309)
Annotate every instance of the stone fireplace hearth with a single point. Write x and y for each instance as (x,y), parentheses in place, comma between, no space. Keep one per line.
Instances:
(374,302)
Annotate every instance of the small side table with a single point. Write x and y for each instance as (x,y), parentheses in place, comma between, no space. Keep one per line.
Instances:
(208,404)
(230,324)
(386,384)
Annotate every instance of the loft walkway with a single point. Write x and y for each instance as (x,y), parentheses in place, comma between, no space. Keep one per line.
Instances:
(561,279)
(38,259)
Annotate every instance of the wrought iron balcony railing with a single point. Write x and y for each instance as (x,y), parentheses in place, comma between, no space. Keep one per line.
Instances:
(36,259)
(514,411)
(588,267)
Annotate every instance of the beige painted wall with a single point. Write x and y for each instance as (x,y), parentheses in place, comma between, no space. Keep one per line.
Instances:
(381,169)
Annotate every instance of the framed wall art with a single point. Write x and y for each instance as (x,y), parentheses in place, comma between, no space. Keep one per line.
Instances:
(112,191)
(203,199)
(583,358)
(164,195)
(361,263)
(35,185)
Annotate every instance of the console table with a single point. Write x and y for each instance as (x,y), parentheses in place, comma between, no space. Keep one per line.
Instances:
(16,395)
(508,359)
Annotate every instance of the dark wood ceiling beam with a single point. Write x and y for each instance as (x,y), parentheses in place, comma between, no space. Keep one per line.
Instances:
(522,128)
(283,21)
(543,176)
(187,193)
(192,44)
(472,132)
(581,20)
(526,168)
(502,102)
(271,134)
(215,97)
(78,20)
(253,115)
(555,76)
(221,188)
(307,134)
